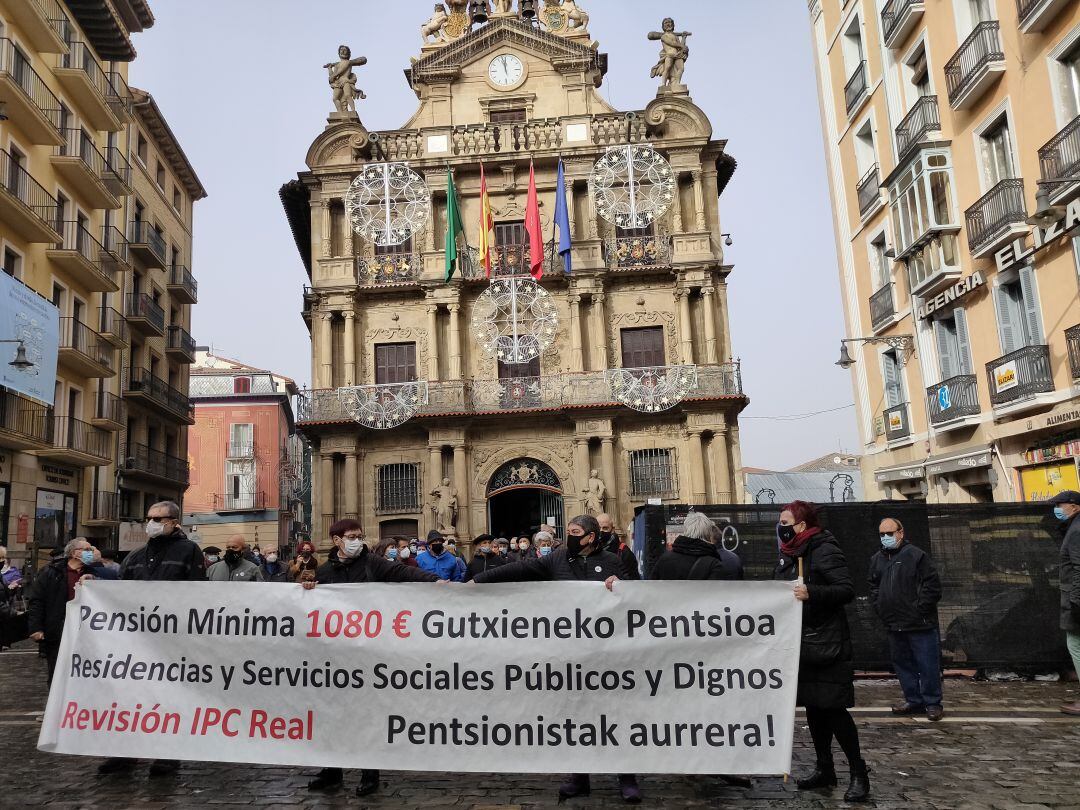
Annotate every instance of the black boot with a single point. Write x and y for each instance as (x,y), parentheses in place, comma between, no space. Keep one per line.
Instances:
(369,782)
(859,789)
(823,776)
(577,784)
(326,779)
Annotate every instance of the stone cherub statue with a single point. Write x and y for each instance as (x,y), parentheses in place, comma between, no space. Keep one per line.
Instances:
(445,505)
(435,27)
(343,80)
(673,55)
(595,494)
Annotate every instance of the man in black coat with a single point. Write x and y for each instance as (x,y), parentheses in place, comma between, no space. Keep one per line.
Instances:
(695,554)
(485,557)
(1066,508)
(612,543)
(904,590)
(582,558)
(351,563)
(53,588)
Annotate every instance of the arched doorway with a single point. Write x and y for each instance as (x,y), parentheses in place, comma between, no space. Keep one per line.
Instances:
(521,495)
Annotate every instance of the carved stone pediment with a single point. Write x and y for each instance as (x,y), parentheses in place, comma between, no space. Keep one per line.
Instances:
(673,118)
(338,146)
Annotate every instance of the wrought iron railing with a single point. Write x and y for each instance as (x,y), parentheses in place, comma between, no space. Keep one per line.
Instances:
(1060,156)
(1019,374)
(81,437)
(180,276)
(1072,340)
(80,56)
(856,87)
(24,418)
(897,422)
(241,450)
(953,398)
(869,190)
(178,338)
(141,305)
(17,182)
(76,336)
(994,212)
(883,306)
(78,144)
(115,244)
(118,166)
(923,118)
(75,236)
(893,15)
(109,406)
(982,47)
(140,380)
(118,94)
(16,65)
(58,20)
(239,502)
(509,260)
(104,507)
(398,489)
(388,269)
(143,233)
(149,461)
(1025,9)
(113,323)
(651,389)
(633,252)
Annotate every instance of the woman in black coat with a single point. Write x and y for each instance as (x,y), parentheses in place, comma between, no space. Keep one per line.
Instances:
(826,674)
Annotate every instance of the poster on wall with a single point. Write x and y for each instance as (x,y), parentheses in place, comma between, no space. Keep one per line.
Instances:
(132,535)
(50,520)
(26,316)
(1047,480)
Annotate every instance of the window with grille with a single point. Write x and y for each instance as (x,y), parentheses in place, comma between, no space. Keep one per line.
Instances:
(652,474)
(395,363)
(643,348)
(399,488)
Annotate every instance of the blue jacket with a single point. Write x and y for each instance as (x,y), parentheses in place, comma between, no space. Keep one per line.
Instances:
(445,566)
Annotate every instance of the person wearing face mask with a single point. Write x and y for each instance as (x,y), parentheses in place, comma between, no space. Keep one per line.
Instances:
(272,569)
(52,589)
(616,546)
(826,685)
(904,591)
(583,558)
(502,548)
(351,563)
(1066,506)
(439,561)
(405,553)
(522,550)
(304,564)
(544,543)
(485,558)
(234,566)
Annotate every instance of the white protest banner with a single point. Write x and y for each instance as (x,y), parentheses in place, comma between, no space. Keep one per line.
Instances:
(655,677)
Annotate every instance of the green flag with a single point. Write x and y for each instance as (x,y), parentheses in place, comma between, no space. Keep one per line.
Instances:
(454,229)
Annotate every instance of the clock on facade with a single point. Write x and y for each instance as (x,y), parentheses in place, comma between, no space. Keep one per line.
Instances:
(506,70)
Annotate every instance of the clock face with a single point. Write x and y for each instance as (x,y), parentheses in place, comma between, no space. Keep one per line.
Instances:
(505,70)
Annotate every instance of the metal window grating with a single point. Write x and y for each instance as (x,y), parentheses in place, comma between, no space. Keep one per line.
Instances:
(652,473)
(398,488)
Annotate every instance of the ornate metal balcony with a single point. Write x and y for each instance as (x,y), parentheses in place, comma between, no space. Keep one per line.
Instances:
(180,344)
(652,389)
(30,103)
(241,502)
(143,385)
(383,406)
(856,88)
(975,65)
(388,269)
(898,19)
(1072,340)
(508,260)
(1060,158)
(1036,15)
(25,206)
(513,393)
(147,462)
(922,119)
(1019,375)
(869,191)
(638,252)
(953,399)
(182,285)
(993,215)
(883,307)
(897,422)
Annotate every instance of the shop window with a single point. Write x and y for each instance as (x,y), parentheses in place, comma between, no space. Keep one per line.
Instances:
(1018,312)
(398,488)
(953,344)
(652,473)
(395,363)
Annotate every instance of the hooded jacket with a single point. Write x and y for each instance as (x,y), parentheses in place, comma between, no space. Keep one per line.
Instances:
(559,566)
(692,558)
(168,557)
(367,567)
(905,588)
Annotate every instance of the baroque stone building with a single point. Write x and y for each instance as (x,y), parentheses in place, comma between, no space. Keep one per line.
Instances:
(636,395)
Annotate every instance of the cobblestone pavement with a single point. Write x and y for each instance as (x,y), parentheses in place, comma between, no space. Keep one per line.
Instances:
(1002,746)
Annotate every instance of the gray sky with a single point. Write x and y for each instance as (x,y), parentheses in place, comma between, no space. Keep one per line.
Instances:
(241,85)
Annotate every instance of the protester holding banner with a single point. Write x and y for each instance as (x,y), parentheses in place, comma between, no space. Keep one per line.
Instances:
(53,588)
(616,546)
(272,569)
(485,558)
(350,563)
(812,557)
(582,558)
(695,555)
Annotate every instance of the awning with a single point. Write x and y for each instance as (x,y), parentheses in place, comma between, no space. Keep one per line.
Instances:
(970,459)
(906,472)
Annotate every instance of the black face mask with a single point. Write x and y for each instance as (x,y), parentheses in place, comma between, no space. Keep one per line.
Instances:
(574,544)
(437,548)
(232,557)
(785,533)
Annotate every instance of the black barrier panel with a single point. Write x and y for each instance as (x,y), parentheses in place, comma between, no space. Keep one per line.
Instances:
(998,565)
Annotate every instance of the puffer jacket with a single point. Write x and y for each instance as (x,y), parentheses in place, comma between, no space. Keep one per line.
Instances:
(169,557)
(558,565)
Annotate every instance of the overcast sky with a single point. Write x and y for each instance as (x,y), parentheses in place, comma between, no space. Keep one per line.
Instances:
(241,84)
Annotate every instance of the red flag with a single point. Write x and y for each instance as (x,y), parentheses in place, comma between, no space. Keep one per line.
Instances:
(532,228)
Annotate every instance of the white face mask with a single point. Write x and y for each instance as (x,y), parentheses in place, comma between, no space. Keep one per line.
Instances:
(154,529)
(524,546)
(271,558)
(404,553)
(351,547)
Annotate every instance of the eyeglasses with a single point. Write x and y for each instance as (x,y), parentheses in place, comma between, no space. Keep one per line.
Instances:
(353,536)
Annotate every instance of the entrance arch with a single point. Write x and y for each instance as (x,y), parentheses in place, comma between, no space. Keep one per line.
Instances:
(521,495)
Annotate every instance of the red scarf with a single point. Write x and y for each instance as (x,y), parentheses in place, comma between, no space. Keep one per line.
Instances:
(798,542)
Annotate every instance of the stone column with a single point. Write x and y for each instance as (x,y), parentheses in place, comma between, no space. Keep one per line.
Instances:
(581,465)
(461,484)
(721,466)
(431,225)
(686,340)
(326,484)
(350,347)
(325,226)
(433,342)
(699,201)
(570,206)
(607,463)
(576,361)
(696,457)
(599,333)
(676,208)
(591,227)
(352,486)
(708,313)
(721,314)
(326,350)
(346,233)
(455,342)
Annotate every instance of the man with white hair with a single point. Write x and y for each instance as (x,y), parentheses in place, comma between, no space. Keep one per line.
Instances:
(619,548)
(53,588)
(698,554)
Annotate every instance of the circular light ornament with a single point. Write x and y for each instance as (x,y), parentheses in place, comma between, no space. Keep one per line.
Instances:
(633,185)
(650,390)
(383,406)
(387,203)
(514,320)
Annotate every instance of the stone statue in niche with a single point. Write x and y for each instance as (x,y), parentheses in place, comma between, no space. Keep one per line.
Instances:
(445,505)
(595,494)
(673,55)
(343,80)
(436,26)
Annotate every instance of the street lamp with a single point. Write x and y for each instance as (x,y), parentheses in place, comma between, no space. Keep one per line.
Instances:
(902,343)
(21,361)
(1046,214)
(727,239)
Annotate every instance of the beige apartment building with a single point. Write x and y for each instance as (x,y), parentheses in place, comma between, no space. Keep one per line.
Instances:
(952,133)
(634,395)
(80,226)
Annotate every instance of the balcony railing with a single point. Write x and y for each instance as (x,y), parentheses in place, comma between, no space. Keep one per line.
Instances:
(1060,157)
(183,282)
(17,182)
(1072,340)
(104,507)
(81,437)
(141,305)
(118,166)
(1036,15)
(148,461)
(25,420)
(81,57)
(895,16)
(1019,375)
(78,337)
(508,260)
(140,380)
(242,502)
(869,190)
(897,422)
(388,269)
(856,87)
(15,64)
(993,213)
(972,59)
(76,238)
(953,398)
(241,450)
(79,145)
(636,252)
(108,407)
(113,324)
(118,94)
(115,245)
(180,340)
(143,233)
(922,119)
(882,307)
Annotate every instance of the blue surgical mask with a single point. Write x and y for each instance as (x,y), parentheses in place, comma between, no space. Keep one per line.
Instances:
(545,550)
(1059,513)
(87,557)
(391,554)
(889,541)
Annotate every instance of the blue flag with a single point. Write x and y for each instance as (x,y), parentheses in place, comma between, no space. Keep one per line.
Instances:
(562,218)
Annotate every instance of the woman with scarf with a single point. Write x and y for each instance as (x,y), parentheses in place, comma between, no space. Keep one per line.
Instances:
(826,674)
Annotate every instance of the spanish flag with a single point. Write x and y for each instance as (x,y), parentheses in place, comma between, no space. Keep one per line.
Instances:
(487,225)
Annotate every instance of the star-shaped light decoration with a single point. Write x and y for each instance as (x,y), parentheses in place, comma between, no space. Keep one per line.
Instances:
(383,406)
(514,320)
(653,389)
(633,186)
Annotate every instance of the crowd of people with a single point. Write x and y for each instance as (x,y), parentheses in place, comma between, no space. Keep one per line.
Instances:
(904,591)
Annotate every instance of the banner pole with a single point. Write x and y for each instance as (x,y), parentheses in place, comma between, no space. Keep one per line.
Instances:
(800,579)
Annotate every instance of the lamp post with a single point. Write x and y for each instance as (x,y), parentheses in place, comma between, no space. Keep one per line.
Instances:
(902,343)
(21,361)
(1046,214)
(849,487)
(771,493)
